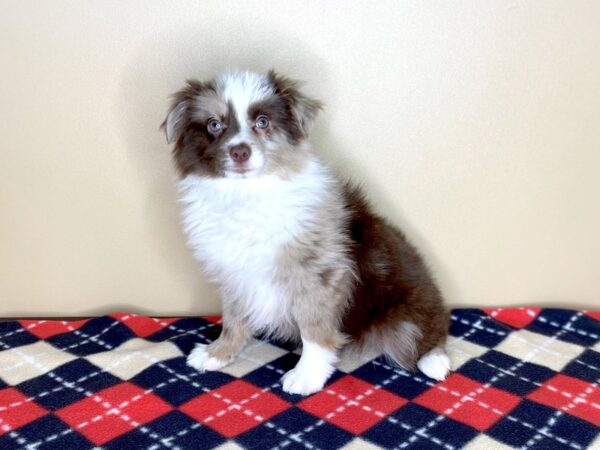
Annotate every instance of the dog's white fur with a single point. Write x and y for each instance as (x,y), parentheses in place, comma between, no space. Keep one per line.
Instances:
(237,227)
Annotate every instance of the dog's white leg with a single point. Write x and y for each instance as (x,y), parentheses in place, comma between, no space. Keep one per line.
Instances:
(312,371)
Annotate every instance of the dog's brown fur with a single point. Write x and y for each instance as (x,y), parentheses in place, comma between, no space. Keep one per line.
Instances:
(394,286)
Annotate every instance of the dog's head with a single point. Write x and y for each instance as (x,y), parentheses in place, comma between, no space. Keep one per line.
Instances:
(239,125)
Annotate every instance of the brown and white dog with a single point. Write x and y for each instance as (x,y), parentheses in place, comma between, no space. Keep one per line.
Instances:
(294,251)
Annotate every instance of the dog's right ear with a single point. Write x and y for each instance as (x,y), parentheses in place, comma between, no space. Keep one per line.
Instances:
(178,114)
(174,121)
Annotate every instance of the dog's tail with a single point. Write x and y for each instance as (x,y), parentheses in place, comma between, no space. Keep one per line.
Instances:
(400,343)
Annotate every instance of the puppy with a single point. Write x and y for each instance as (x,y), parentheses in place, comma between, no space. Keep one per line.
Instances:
(294,251)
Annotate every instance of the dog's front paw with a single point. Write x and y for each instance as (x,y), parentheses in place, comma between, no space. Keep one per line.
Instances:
(303,382)
(200,359)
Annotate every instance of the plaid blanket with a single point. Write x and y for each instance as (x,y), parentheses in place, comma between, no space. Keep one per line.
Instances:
(524,377)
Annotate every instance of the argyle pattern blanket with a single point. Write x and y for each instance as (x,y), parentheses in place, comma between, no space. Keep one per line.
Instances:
(523,378)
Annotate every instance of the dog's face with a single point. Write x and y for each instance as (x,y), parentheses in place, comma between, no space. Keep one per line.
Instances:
(239,125)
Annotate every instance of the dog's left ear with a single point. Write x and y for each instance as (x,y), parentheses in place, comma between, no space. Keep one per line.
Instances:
(303,109)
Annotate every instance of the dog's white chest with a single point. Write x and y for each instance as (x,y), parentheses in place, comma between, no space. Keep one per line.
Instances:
(237,228)
(239,231)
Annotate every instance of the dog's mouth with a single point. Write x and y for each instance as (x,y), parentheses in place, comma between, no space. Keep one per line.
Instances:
(240,171)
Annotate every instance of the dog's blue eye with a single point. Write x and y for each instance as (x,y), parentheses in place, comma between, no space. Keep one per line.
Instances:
(214,126)
(262,122)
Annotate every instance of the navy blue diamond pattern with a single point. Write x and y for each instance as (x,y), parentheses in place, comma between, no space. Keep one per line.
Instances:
(518,377)
(67,384)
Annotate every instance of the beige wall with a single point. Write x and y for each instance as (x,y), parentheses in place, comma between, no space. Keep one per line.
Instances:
(474,125)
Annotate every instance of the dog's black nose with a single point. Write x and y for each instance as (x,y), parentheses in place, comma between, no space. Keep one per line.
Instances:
(240,153)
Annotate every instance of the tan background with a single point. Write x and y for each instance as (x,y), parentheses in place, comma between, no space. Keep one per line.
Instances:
(474,125)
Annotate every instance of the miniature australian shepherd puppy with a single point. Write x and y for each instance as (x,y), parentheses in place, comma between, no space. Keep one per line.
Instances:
(295,252)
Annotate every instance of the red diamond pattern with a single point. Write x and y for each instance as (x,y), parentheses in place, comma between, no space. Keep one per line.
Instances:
(143,326)
(352,404)
(44,329)
(234,408)
(515,317)
(16,410)
(113,412)
(571,395)
(468,401)
(594,314)
(213,319)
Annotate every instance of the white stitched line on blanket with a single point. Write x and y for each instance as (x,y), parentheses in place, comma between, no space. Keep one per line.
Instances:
(356,402)
(69,385)
(21,329)
(379,414)
(295,436)
(507,416)
(516,336)
(477,324)
(513,374)
(568,328)
(13,367)
(239,405)
(587,365)
(500,375)
(94,339)
(556,325)
(214,394)
(111,410)
(178,434)
(552,421)
(421,433)
(576,396)
(527,358)
(4,426)
(474,327)
(67,323)
(353,402)
(117,363)
(87,338)
(13,434)
(33,325)
(145,430)
(454,393)
(226,400)
(338,410)
(97,418)
(452,339)
(18,438)
(62,349)
(186,378)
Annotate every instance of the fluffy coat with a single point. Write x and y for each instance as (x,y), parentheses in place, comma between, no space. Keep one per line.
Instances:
(294,251)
